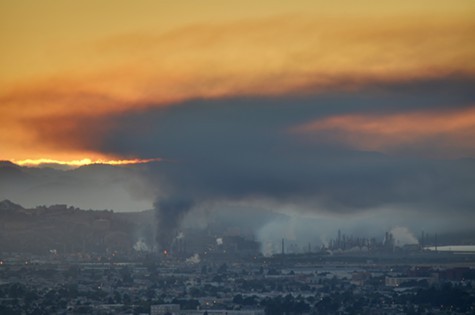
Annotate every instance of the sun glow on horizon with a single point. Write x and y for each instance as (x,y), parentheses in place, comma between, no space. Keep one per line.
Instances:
(81,162)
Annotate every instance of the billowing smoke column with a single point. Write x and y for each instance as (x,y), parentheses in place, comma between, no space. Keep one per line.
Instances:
(214,152)
(169,213)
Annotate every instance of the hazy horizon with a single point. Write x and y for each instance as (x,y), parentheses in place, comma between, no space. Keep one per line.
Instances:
(306,117)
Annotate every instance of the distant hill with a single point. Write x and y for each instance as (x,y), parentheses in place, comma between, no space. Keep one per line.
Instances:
(8,164)
(8,206)
(10,171)
(120,188)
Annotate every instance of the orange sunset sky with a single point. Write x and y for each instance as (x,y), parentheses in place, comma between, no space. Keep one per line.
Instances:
(65,63)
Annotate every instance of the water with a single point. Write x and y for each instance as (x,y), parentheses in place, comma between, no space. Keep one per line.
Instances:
(453,248)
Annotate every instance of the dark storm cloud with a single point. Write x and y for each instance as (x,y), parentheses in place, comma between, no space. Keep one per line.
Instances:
(238,149)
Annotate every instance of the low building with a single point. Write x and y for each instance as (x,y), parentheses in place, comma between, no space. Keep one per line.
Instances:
(165,309)
(398,281)
(174,309)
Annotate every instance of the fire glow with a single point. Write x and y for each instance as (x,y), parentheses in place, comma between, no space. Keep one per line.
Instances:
(82,162)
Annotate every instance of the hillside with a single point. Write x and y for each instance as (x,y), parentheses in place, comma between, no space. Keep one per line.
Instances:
(70,230)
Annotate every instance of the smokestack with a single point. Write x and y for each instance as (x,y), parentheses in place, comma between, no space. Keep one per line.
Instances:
(338,244)
(422,240)
(283,251)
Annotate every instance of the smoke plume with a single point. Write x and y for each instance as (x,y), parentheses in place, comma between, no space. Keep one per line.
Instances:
(403,236)
(169,213)
(244,150)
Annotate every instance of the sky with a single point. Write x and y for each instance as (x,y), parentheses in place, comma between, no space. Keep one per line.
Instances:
(314,106)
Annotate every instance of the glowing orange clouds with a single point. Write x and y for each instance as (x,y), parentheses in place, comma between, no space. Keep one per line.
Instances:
(64,64)
(444,134)
(270,56)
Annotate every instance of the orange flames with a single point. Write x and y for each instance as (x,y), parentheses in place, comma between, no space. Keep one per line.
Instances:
(86,161)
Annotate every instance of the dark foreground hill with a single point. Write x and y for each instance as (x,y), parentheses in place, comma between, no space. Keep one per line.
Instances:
(70,230)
